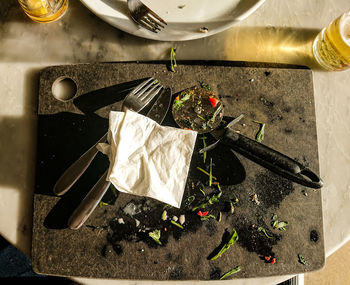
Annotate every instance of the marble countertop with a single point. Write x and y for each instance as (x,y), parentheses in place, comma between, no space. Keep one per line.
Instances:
(279,32)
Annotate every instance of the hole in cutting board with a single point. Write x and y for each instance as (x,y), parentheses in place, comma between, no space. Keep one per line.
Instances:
(64,88)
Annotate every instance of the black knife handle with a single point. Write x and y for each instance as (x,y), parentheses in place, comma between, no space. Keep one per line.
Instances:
(271,159)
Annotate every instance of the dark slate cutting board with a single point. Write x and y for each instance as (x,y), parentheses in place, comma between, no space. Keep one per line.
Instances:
(281,97)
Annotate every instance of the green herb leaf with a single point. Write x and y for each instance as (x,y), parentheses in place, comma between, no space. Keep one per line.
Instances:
(179,102)
(189,200)
(232,271)
(177,224)
(101,204)
(205,172)
(204,146)
(280,225)
(261,133)
(207,217)
(205,85)
(211,172)
(217,111)
(209,201)
(226,246)
(155,235)
(173,59)
(164,215)
(261,229)
(301,259)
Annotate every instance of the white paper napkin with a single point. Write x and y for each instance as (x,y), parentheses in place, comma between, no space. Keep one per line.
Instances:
(147,159)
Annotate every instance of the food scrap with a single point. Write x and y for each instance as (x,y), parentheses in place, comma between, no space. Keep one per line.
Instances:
(164,215)
(204,30)
(270,259)
(301,259)
(155,235)
(173,59)
(255,199)
(261,133)
(181,99)
(261,229)
(278,224)
(226,246)
(232,271)
(202,214)
(213,101)
(204,146)
(205,172)
(205,85)
(198,108)
(177,224)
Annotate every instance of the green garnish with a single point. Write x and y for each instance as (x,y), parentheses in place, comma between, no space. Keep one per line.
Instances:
(219,188)
(199,116)
(211,172)
(217,111)
(232,271)
(155,235)
(179,102)
(226,246)
(277,224)
(205,85)
(208,201)
(101,204)
(261,229)
(173,59)
(261,133)
(164,215)
(202,191)
(208,217)
(205,172)
(177,224)
(190,199)
(301,259)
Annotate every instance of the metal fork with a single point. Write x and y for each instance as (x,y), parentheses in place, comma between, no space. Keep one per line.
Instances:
(136,100)
(145,17)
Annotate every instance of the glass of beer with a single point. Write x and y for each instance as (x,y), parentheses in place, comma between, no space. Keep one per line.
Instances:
(44,11)
(331,47)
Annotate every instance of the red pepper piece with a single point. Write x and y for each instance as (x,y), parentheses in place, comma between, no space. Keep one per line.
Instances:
(267,258)
(213,101)
(202,214)
(273,261)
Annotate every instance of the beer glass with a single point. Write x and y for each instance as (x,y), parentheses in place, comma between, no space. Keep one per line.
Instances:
(331,47)
(44,11)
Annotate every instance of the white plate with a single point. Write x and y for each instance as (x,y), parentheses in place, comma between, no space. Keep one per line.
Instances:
(183,23)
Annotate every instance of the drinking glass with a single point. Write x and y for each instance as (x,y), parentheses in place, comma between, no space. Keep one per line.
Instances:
(44,11)
(331,47)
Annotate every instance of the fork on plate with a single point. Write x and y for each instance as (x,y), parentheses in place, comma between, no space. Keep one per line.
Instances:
(145,17)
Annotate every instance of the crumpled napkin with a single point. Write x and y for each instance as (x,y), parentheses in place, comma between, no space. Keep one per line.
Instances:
(147,159)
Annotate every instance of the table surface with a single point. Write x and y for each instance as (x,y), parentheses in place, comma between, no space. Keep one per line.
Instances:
(279,32)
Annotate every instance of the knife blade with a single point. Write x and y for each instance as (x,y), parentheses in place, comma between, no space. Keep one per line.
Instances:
(157,112)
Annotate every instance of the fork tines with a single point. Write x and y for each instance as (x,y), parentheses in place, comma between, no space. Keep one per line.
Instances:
(152,22)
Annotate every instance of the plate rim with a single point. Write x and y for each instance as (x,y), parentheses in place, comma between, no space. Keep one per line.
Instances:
(143,33)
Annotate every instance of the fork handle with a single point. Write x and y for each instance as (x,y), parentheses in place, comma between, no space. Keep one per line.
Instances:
(73,173)
(89,203)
